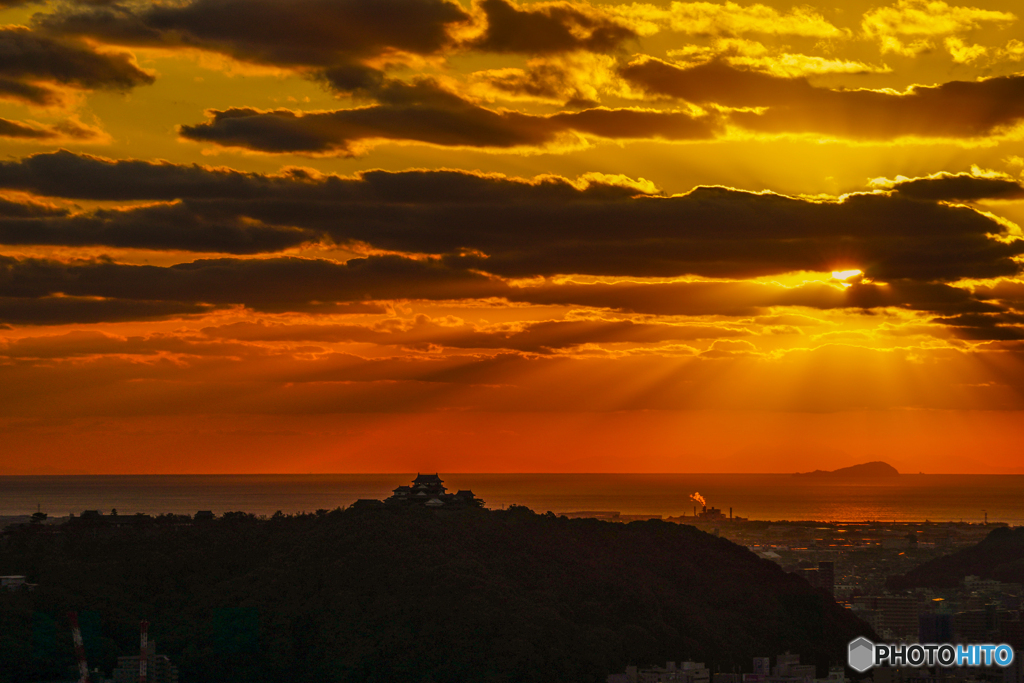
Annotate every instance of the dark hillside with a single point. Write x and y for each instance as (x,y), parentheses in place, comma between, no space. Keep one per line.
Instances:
(407,595)
(999,556)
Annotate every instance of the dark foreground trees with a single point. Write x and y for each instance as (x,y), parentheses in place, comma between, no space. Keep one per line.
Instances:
(405,595)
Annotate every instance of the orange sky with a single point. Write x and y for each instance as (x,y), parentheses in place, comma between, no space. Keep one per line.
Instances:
(499,236)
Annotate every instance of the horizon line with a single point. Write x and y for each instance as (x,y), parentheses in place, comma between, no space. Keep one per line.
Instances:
(317,474)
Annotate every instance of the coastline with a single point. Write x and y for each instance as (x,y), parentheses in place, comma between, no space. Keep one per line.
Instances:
(766,497)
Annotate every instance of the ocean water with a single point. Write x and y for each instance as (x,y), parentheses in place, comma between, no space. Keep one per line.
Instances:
(908,497)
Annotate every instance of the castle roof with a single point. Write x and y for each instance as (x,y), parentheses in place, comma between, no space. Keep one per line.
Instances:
(429,490)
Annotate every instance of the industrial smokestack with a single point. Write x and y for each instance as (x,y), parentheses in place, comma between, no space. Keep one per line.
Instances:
(730,513)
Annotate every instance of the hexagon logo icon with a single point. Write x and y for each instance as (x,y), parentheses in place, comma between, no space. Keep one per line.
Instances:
(861,655)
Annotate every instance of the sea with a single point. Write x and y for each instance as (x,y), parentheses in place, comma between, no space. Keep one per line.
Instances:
(907,497)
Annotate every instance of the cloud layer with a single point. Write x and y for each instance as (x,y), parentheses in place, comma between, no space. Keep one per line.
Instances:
(957,109)
(424,112)
(302,33)
(511,227)
(34,67)
(459,240)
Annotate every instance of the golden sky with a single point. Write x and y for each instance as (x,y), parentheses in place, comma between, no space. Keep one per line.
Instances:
(500,236)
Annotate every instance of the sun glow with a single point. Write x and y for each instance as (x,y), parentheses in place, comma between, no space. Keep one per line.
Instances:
(446,241)
(844,275)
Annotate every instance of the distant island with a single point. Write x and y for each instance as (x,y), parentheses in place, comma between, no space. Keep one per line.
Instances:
(873,470)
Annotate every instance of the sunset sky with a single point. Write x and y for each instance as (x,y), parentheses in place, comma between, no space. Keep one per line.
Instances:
(499,236)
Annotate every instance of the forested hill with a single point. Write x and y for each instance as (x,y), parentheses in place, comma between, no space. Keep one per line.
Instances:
(1000,555)
(414,595)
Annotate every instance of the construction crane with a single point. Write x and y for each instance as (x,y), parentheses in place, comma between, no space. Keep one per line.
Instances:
(143,650)
(76,635)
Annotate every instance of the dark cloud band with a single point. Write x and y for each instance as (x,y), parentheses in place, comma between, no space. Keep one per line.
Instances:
(957,109)
(30,58)
(82,291)
(296,33)
(515,228)
(424,112)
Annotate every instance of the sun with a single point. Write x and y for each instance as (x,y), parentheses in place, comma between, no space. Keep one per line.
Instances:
(843,275)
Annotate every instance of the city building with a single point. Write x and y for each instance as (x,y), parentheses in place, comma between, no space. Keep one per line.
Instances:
(886,674)
(158,668)
(936,627)
(1012,633)
(12,582)
(762,667)
(899,542)
(976,583)
(835,675)
(892,616)
(683,672)
(976,625)
(787,669)
(823,576)
(1015,672)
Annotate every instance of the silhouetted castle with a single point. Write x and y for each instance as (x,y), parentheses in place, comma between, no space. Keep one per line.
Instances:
(429,490)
